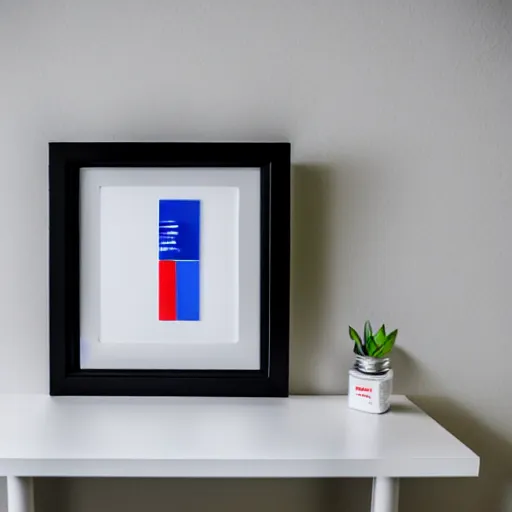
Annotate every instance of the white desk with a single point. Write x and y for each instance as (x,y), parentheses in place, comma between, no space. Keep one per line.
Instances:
(300,436)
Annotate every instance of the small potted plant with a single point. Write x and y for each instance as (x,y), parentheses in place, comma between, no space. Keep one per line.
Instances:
(371,378)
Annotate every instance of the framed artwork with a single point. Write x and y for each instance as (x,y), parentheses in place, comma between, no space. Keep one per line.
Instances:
(169,268)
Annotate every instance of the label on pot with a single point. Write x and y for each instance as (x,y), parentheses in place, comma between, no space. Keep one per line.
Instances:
(369,393)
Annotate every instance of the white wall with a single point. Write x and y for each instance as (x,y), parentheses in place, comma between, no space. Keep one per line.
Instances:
(400,117)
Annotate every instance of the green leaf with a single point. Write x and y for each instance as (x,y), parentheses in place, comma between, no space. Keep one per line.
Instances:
(371,347)
(388,345)
(358,350)
(367,331)
(358,345)
(380,337)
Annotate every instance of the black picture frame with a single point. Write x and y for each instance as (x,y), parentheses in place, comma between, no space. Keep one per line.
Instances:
(65,161)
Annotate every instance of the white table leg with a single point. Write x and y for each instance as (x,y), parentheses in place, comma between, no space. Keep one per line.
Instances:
(20,494)
(384,494)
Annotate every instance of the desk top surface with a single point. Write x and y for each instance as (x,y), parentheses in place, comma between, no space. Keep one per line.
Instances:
(300,436)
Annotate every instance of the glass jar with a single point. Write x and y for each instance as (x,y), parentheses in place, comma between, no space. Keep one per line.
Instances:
(370,384)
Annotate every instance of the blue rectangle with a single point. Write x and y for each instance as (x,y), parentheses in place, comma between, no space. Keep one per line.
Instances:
(179,226)
(187,290)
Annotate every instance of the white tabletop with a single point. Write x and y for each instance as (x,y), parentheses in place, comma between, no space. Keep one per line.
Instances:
(300,436)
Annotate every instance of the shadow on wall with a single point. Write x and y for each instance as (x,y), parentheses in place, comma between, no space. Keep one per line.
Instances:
(312,200)
(331,251)
(192,495)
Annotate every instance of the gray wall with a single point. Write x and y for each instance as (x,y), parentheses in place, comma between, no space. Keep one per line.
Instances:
(400,117)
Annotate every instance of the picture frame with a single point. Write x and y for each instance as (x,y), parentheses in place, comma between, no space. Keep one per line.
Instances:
(102,279)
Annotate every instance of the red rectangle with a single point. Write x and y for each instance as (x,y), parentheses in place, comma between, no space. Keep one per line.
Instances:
(167,290)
